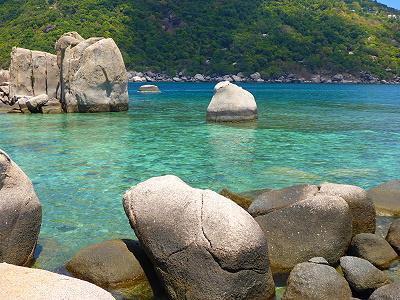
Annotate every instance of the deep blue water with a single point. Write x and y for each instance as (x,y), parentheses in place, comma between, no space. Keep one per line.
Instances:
(81,164)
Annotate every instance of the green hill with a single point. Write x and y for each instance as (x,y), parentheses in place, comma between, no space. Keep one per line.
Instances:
(218,36)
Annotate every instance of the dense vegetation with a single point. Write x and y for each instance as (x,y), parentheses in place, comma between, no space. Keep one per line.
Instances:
(218,36)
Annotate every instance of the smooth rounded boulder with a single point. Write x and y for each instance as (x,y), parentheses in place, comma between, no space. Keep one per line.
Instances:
(34,284)
(386,198)
(373,248)
(362,276)
(319,226)
(20,214)
(310,281)
(393,236)
(387,292)
(202,245)
(231,103)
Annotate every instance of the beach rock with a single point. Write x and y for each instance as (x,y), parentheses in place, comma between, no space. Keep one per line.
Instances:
(275,199)
(94,78)
(110,263)
(309,281)
(373,248)
(20,214)
(319,260)
(202,245)
(231,103)
(34,284)
(149,88)
(386,198)
(393,236)
(387,292)
(319,226)
(362,276)
(4,76)
(238,199)
(361,207)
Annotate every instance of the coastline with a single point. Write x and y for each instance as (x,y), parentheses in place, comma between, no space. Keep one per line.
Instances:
(363,78)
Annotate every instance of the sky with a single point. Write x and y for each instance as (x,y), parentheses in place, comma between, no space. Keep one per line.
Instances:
(391,3)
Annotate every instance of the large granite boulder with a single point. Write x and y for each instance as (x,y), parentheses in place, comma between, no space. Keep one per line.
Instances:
(318,226)
(393,236)
(362,276)
(33,73)
(386,198)
(34,284)
(231,103)
(361,208)
(387,292)
(20,214)
(203,246)
(93,75)
(310,281)
(4,77)
(373,248)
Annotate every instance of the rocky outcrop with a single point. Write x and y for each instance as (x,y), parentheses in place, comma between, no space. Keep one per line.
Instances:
(20,214)
(33,73)
(202,245)
(318,226)
(231,103)
(373,248)
(310,281)
(34,284)
(387,292)
(93,74)
(362,276)
(393,236)
(386,198)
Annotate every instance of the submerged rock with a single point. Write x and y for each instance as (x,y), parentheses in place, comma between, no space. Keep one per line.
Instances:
(231,103)
(240,200)
(386,198)
(362,276)
(373,248)
(203,246)
(393,236)
(31,284)
(20,214)
(387,292)
(149,88)
(309,281)
(317,226)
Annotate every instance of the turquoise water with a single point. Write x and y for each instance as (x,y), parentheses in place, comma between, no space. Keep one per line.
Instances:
(81,164)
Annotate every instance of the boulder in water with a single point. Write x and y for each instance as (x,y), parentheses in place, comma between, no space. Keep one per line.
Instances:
(386,198)
(149,88)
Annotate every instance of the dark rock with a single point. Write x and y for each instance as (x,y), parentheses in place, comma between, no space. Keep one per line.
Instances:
(309,281)
(238,199)
(387,292)
(373,248)
(393,236)
(202,245)
(362,276)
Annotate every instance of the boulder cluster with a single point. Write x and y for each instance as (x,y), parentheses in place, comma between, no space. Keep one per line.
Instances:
(84,76)
(197,244)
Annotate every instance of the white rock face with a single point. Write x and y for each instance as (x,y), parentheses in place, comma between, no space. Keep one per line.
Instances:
(34,284)
(94,77)
(231,103)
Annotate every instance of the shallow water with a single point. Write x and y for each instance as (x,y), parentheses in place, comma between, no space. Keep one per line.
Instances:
(81,164)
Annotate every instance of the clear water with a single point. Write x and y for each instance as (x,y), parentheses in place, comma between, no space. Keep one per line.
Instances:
(81,164)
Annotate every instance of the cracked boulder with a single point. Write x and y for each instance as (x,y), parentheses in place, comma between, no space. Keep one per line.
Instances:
(20,214)
(231,103)
(317,225)
(93,75)
(202,245)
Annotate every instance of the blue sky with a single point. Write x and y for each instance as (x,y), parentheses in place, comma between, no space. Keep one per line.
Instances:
(391,3)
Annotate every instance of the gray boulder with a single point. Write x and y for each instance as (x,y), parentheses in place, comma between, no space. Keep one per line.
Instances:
(202,245)
(386,198)
(94,78)
(373,248)
(387,292)
(362,276)
(35,104)
(20,214)
(319,260)
(319,226)
(309,281)
(393,236)
(231,103)
(34,284)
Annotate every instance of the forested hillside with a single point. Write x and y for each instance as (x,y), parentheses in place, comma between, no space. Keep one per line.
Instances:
(217,36)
